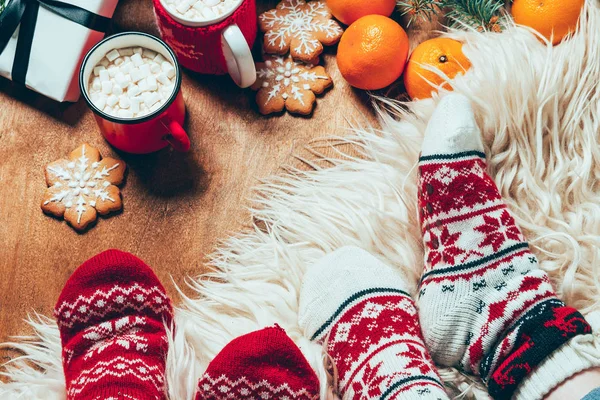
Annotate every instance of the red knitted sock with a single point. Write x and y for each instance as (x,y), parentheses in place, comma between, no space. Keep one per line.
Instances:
(265,364)
(111,316)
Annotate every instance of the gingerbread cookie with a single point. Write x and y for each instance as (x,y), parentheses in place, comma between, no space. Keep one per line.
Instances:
(82,186)
(282,82)
(300,27)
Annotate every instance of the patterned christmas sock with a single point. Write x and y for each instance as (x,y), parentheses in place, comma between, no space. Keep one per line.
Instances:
(111,316)
(360,309)
(265,364)
(485,307)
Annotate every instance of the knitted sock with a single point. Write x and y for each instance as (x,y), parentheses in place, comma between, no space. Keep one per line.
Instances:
(110,315)
(360,308)
(265,364)
(485,307)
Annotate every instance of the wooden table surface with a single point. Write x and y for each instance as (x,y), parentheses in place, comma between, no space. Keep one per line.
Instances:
(176,206)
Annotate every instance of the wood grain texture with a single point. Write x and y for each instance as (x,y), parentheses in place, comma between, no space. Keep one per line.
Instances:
(176,206)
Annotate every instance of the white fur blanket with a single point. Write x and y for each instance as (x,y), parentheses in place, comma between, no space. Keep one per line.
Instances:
(539,109)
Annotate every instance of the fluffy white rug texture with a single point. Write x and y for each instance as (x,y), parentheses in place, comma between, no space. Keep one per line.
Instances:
(538,107)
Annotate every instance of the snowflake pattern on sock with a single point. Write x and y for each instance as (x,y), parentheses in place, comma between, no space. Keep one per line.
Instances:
(485,306)
(376,344)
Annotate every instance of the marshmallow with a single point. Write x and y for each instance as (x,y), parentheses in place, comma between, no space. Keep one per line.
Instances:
(104,75)
(162,78)
(96,84)
(100,102)
(145,69)
(119,61)
(125,114)
(112,100)
(124,102)
(155,68)
(149,53)
(126,67)
(211,3)
(151,81)
(117,90)
(104,62)
(112,55)
(168,69)
(112,71)
(136,75)
(97,70)
(107,87)
(108,110)
(134,105)
(133,90)
(183,6)
(143,85)
(199,6)
(127,51)
(137,60)
(208,13)
(138,50)
(151,99)
(159,59)
(122,80)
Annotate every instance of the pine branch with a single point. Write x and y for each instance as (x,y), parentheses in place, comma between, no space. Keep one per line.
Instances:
(483,15)
(419,9)
(2,5)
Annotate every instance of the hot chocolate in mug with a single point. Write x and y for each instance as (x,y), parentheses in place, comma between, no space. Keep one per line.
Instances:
(211,36)
(156,128)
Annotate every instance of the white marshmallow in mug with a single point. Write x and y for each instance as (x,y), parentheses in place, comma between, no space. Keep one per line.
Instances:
(201,10)
(142,82)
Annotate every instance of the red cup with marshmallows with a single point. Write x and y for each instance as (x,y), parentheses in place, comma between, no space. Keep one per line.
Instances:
(211,36)
(132,83)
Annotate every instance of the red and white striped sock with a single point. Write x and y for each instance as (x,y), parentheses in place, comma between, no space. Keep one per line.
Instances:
(265,364)
(485,306)
(360,308)
(111,315)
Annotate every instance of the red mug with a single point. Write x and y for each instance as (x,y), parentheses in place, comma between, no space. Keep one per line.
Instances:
(218,46)
(150,132)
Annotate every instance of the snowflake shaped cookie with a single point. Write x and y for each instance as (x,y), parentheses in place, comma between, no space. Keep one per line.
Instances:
(83,186)
(283,82)
(300,27)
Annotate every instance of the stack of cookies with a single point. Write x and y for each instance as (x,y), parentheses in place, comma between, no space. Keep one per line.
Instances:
(289,77)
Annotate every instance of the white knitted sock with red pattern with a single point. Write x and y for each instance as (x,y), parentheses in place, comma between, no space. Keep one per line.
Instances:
(484,305)
(359,307)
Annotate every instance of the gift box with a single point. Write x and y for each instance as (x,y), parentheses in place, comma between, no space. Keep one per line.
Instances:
(42,42)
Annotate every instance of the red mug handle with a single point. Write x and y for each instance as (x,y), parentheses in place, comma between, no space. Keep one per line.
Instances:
(177,136)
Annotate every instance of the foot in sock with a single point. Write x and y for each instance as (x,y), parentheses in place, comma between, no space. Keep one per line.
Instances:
(111,315)
(360,309)
(265,364)
(485,307)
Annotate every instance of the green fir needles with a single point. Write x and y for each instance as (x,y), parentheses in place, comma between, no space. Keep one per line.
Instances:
(483,15)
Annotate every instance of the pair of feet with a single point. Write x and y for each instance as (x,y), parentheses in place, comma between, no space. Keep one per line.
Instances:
(113,316)
(483,307)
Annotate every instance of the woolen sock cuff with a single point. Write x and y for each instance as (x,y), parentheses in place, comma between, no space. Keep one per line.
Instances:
(336,280)
(577,355)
